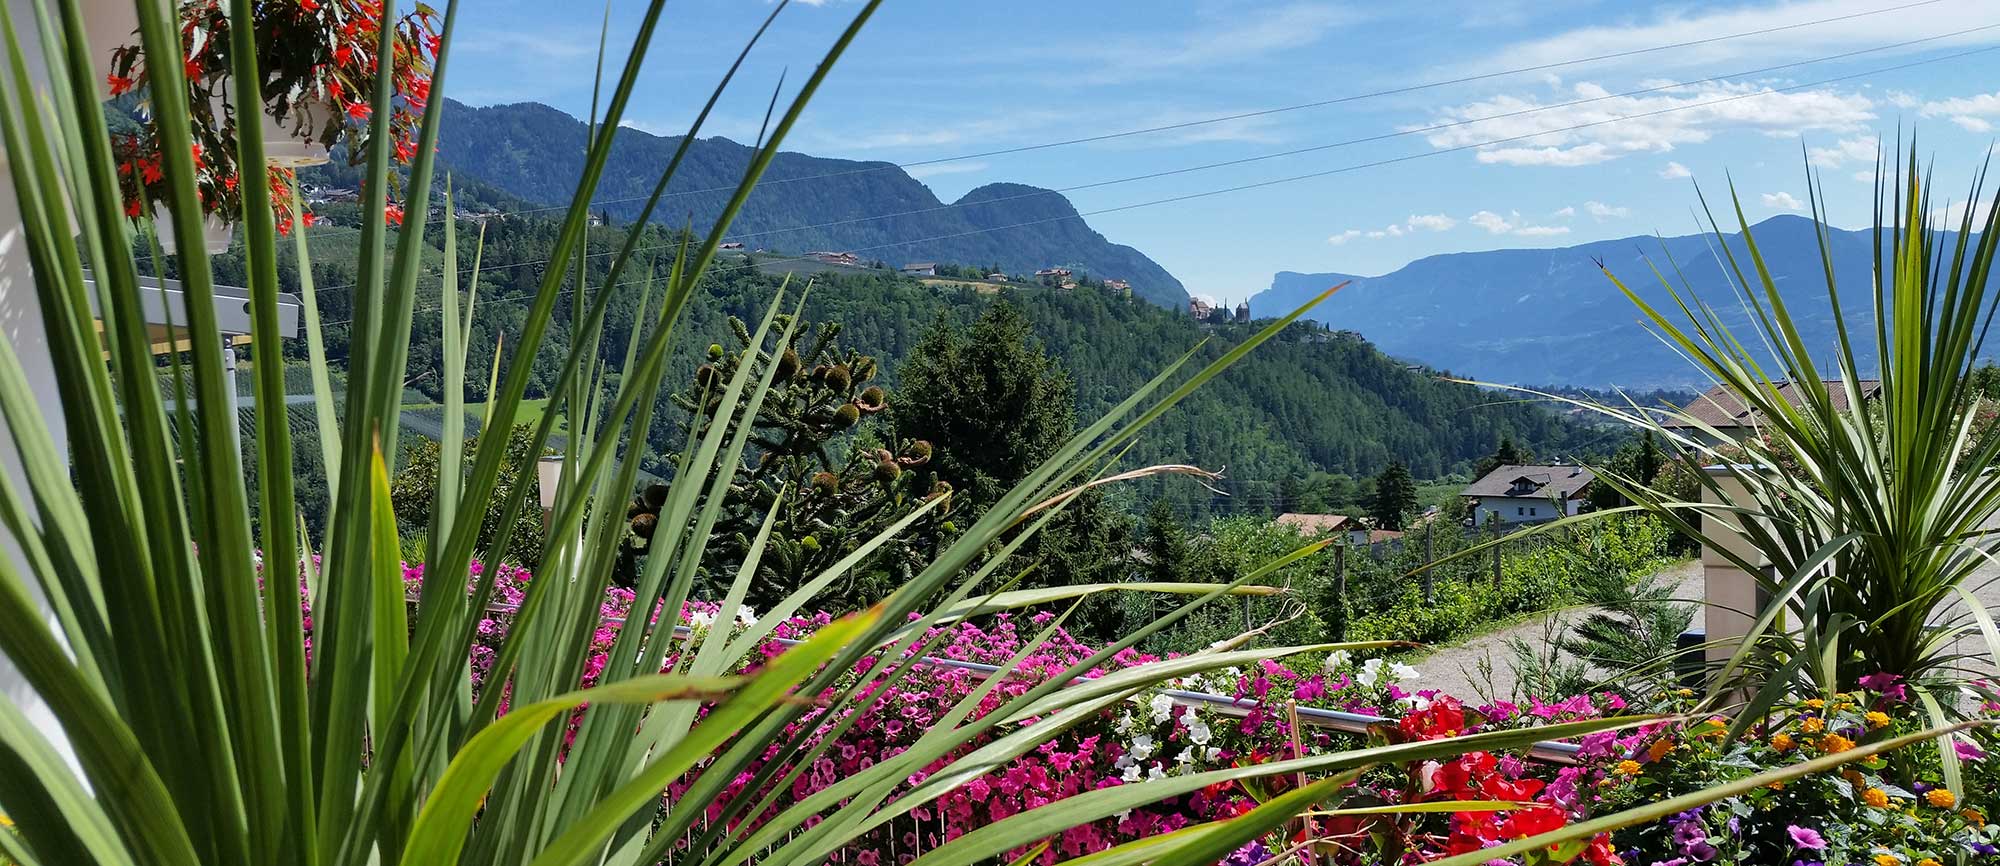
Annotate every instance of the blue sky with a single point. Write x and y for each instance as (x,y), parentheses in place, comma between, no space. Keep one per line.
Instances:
(943,78)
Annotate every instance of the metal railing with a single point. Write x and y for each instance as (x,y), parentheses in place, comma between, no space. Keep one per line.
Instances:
(1551,751)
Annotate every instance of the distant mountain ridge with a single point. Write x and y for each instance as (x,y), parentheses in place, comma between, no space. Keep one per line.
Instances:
(536,152)
(1543,316)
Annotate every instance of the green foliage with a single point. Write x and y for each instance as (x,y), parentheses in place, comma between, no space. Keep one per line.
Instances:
(1508,454)
(1395,497)
(1555,569)
(415,489)
(1635,630)
(824,475)
(1833,491)
(532,151)
(988,397)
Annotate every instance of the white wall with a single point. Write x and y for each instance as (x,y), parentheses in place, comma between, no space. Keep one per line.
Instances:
(1510,509)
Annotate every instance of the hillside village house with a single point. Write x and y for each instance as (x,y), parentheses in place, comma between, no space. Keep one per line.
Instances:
(1725,412)
(921,269)
(1528,494)
(1353,529)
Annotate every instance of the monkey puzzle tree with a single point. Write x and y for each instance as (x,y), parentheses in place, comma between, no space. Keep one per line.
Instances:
(828,479)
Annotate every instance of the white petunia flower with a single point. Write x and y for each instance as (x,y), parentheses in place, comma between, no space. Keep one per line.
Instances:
(1199,733)
(1371,673)
(1142,747)
(746,616)
(1131,773)
(1155,774)
(1213,754)
(1403,673)
(1338,660)
(702,618)
(1163,708)
(1186,756)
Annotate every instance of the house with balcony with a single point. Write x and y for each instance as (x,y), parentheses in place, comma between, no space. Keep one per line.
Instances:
(1517,494)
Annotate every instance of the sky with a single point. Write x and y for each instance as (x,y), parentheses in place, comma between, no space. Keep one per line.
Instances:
(1564,154)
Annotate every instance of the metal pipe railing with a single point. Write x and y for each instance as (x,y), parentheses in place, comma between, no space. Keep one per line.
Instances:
(1552,751)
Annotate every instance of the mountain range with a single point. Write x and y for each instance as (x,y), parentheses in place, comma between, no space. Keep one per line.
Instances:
(805,203)
(1542,316)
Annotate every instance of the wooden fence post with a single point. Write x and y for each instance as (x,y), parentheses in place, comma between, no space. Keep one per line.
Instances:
(1340,591)
(1496,564)
(1430,575)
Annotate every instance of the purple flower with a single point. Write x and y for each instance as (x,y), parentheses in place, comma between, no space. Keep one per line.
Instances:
(1889,685)
(1806,838)
(1968,751)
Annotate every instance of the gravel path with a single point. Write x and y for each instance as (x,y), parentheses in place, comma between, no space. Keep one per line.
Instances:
(1455,669)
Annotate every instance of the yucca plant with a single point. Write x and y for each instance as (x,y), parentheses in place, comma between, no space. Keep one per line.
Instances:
(1867,518)
(172,656)
(1865,521)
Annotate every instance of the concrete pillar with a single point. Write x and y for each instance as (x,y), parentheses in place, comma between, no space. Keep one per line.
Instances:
(1734,597)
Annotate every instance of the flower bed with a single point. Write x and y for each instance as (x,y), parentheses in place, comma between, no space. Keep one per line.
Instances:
(1893,807)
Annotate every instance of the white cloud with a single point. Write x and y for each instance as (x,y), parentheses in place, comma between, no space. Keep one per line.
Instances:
(1511,224)
(1432,222)
(1435,222)
(1901,98)
(1865,176)
(1970,112)
(1602,211)
(1528,132)
(1675,171)
(1212,41)
(1566,212)
(1778,19)
(1783,201)
(1858,149)
(938,168)
(570,44)
(1953,215)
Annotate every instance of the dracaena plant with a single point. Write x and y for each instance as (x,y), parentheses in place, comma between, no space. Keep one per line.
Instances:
(203,733)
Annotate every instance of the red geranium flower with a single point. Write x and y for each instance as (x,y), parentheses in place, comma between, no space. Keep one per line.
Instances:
(394,213)
(358,110)
(118,83)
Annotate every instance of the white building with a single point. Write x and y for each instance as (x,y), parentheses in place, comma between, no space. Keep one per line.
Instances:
(1528,494)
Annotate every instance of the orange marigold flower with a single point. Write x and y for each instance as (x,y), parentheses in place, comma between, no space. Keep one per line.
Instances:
(1876,797)
(1834,744)
(1659,749)
(1973,817)
(1812,724)
(1629,767)
(1877,719)
(1928,862)
(1940,798)
(1887,860)
(1815,703)
(1782,742)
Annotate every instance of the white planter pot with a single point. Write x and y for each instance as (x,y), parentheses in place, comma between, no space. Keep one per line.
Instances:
(215,233)
(107,26)
(282,145)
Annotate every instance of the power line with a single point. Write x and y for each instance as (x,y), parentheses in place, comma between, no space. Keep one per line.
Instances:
(1341,100)
(1334,171)
(1298,151)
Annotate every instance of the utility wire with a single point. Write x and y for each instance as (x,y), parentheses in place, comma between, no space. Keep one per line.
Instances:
(1401,133)
(1323,173)
(1341,100)
(1318,174)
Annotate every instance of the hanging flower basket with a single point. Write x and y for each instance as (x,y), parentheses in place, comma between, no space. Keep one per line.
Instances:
(320,59)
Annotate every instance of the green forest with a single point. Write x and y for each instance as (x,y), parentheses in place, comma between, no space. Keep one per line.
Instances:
(1299,424)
